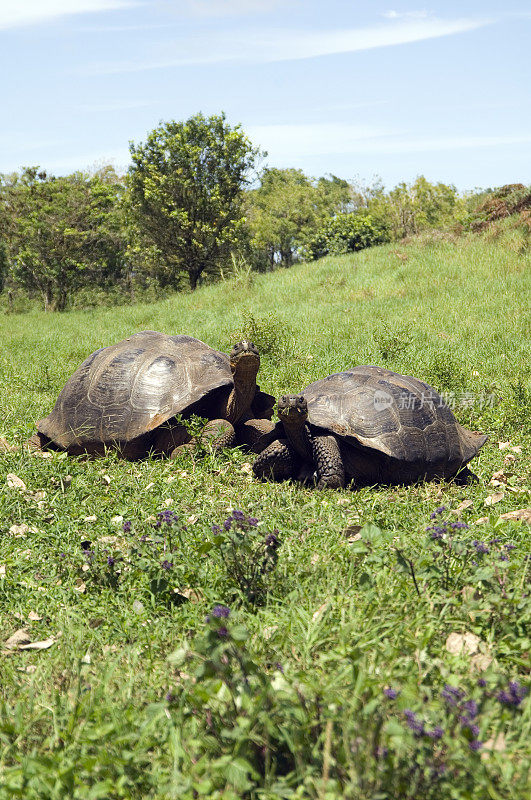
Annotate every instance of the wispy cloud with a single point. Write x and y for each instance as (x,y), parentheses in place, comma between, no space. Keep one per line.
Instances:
(262,45)
(113,105)
(16,13)
(222,8)
(316,139)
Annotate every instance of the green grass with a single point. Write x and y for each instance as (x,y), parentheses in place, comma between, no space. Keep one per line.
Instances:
(290,703)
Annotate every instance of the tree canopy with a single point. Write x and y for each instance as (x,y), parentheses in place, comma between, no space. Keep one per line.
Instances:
(61,233)
(186,185)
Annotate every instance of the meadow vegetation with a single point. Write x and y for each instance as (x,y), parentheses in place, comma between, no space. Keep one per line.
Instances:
(197,633)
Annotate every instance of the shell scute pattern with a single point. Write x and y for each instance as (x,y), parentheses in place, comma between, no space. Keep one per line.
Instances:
(398,415)
(125,390)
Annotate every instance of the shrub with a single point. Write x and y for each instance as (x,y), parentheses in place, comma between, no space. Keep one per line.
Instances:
(346,233)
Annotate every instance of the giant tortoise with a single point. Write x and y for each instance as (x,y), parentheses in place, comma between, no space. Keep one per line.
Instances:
(367,425)
(128,396)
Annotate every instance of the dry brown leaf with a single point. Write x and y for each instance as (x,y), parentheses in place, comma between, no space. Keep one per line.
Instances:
(523,515)
(352,532)
(91,518)
(81,587)
(5,447)
(315,558)
(193,595)
(192,519)
(44,645)
(509,459)
(343,501)
(14,482)
(462,642)
(497,745)
(481,521)
(2,570)
(168,501)
(247,468)
(504,445)
(319,611)
(19,530)
(269,631)
(18,638)
(464,504)
(41,454)
(494,498)
(34,617)
(499,478)
(481,662)
(516,449)
(117,519)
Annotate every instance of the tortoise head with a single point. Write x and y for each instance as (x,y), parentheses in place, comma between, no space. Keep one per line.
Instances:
(244,358)
(292,409)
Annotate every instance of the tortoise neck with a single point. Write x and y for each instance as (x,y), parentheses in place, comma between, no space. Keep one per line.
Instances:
(242,395)
(298,435)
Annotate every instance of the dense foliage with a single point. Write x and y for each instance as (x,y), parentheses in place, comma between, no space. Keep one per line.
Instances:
(62,233)
(192,209)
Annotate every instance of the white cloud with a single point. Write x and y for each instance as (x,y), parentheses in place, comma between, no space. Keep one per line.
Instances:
(405,14)
(317,139)
(15,13)
(221,8)
(263,45)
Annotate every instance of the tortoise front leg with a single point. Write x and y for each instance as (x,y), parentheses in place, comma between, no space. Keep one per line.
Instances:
(217,434)
(329,463)
(277,462)
(255,433)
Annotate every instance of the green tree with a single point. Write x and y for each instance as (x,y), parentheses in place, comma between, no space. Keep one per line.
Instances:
(186,186)
(288,209)
(62,233)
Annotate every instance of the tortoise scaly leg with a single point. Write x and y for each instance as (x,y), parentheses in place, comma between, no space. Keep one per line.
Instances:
(329,463)
(217,434)
(277,462)
(254,433)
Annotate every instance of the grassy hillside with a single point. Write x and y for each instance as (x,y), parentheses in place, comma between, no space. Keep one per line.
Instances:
(342,669)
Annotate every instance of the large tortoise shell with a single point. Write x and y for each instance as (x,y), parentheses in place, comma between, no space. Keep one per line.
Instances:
(398,415)
(125,390)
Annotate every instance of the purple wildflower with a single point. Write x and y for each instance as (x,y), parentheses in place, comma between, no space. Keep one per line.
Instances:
(222,612)
(414,724)
(458,525)
(475,745)
(436,733)
(110,561)
(381,752)
(252,521)
(216,529)
(471,708)
(504,557)
(223,631)
(452,694)
(437,532)
(482,682)
(437,511)
(510,546)
(167,564)
(513,695)
(228,524)
(481,547)
(392,694)
(126,527)
(238,515)
(272,541)
(170,697)
(166,517)
(62,555)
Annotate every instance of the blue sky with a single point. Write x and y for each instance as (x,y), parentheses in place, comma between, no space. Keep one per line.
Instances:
(358,89)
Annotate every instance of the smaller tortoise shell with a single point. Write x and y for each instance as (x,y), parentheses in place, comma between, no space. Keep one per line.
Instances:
(398,415)
(125,390)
